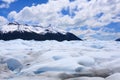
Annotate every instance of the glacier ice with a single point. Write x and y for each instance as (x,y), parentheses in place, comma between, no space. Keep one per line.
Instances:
(14,65)
(46,59)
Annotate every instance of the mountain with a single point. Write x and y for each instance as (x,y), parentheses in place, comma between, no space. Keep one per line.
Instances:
(117,39)
(18,31)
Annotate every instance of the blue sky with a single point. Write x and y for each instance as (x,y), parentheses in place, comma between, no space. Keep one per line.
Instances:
(86,18)
(19,5)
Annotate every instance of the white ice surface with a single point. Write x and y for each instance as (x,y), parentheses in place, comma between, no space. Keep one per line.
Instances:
(42,57)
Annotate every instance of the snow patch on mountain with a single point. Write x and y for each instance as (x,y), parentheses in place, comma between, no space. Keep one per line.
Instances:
(29,28)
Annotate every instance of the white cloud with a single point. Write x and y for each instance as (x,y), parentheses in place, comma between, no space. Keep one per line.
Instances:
(43,14)
(103,33)
(95,13)
(3,21)
(86,13)
(87,34)
(6,3)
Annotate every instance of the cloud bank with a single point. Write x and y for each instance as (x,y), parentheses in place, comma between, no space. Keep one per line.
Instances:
(73,13)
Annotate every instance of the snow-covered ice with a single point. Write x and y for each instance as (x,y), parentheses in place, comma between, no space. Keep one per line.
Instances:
(51,60)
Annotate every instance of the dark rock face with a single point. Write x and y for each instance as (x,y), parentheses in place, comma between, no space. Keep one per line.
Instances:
(39,37)
(117,39)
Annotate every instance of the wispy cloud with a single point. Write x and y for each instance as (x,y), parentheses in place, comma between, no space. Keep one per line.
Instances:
(3,20)
(6,3)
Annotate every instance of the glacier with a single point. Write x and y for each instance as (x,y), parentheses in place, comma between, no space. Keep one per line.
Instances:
(53,60)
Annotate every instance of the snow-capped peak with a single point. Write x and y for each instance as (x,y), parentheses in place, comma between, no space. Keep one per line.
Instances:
(24,27)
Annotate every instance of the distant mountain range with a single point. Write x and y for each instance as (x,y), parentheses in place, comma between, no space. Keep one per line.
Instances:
(18,31)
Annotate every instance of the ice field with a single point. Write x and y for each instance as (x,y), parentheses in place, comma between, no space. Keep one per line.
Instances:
(53,60)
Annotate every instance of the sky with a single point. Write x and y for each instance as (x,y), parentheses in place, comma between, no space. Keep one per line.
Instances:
(88,19)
